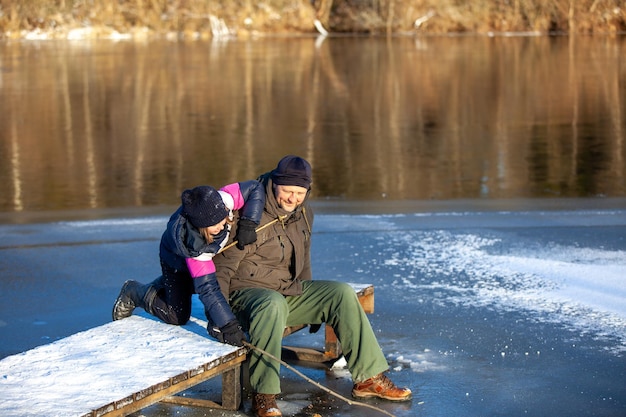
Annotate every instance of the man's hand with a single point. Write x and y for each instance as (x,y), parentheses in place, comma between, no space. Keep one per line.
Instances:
(246,233)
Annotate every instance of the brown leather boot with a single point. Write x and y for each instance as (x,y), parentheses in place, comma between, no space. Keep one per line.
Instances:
(264,405)
(381,386)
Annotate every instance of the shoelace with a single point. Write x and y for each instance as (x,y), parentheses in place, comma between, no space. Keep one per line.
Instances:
(386,382)
(265,403)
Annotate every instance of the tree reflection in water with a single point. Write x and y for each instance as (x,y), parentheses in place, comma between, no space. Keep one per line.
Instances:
(100,124)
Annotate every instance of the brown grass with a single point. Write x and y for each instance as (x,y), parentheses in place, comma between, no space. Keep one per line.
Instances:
(201,18)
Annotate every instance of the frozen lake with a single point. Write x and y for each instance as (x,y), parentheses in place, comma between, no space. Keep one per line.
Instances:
(481,313)
(488,211)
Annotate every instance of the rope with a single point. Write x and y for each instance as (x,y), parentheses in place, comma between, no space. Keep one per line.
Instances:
(258,229)
(320,386)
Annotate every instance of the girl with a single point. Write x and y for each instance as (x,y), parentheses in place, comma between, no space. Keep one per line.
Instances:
(195,233)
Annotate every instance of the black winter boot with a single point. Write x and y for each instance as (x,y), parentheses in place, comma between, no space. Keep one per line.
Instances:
(131,296)
(149,297)
(135,294)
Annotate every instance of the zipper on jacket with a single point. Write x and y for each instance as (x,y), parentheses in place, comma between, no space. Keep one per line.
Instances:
(282,247)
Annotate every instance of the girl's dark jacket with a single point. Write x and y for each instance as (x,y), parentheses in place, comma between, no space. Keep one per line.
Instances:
(280,259)
(183,248)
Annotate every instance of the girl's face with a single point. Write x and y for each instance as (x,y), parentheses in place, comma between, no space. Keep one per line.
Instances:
(216,228)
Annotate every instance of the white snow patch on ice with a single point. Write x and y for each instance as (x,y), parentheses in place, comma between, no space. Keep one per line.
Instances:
(418,361)
(580,287)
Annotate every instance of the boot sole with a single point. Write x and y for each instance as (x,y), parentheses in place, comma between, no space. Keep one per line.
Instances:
(373,395)
(119,303)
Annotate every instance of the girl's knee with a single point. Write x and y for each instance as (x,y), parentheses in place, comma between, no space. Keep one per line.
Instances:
(176,318)
(181,320)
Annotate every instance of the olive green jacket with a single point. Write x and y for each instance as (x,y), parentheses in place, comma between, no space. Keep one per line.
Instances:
(280,259)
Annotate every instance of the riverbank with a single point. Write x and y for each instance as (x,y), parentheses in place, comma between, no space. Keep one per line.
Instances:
(197,19)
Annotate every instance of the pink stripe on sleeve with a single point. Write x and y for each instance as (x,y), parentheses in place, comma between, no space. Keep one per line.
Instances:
(234,190)
(200,268)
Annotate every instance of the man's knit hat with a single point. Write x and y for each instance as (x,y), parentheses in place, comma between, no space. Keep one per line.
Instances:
(292,170)
(203,206)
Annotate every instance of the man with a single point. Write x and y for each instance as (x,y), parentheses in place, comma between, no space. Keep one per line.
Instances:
(269,287)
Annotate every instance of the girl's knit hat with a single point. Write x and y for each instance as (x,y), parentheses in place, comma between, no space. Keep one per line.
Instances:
(203,206)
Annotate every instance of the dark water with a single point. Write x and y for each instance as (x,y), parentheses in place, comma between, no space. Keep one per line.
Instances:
(129,125)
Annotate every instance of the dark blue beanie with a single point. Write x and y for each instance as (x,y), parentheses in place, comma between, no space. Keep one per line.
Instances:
(292,170)
(203,206)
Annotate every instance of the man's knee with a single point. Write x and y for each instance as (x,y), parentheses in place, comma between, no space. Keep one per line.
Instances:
(345,289)
(269,314)
(271,305)
(342,290)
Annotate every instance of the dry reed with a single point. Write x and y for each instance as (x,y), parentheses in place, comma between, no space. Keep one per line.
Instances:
(200,18)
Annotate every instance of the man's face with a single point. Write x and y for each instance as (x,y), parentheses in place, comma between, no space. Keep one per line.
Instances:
(289,196)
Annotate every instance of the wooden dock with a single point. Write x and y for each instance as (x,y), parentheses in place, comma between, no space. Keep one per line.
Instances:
(118,368)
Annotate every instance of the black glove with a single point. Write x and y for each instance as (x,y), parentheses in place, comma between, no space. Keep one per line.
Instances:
(231,334)
(313,328)
(246,233)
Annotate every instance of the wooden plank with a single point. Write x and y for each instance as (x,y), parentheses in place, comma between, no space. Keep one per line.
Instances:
(228,365)
(231,393)
(180,383)
(191,402)
(231,389)
(366,298)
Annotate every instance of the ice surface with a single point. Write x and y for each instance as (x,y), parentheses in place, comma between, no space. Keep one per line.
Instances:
(471,308)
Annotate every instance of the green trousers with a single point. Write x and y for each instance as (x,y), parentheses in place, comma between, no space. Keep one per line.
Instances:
(265,314)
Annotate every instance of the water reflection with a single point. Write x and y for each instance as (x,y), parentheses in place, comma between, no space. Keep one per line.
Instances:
(102,124)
